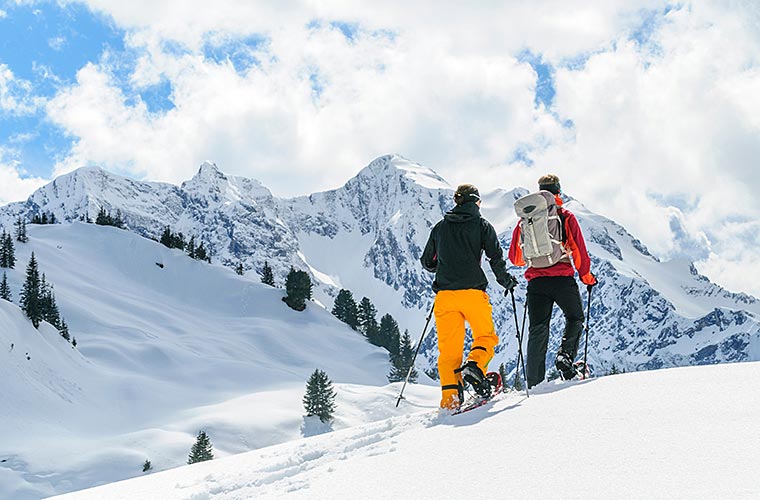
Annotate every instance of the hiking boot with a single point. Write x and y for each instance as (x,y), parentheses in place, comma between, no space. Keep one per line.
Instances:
(450,403)
(473,375)
(451,400)
(564,365)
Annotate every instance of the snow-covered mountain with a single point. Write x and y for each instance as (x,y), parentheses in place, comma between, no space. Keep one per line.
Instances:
(367,236)
(675,433)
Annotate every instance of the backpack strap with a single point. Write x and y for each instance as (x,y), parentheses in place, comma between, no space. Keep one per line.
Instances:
(562,217)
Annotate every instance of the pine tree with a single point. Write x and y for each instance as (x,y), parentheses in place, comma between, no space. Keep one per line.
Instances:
(7,252)
(117,221)
(21,230)
(50,312)
(267,276)
(202,254)
(202,450)
(166,237)
(74,341)
(103,219)
(147,465)
(401,362)
(179,241)
(239,269)
(3,251)
(31,301)
(389,334)
(64,329)
(518,385)
(503,375)
(191,247)
(10,252)
(344,308)
(319,399)
(5,290)
(298,287)
(367,316)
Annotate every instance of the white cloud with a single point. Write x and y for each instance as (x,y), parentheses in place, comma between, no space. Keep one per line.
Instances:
(672,131)
(377,96)
(57,43)
(16,95)
(662,135)
(14,187)
(3,14)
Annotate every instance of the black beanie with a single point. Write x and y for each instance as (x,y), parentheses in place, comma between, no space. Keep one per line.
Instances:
(465,193)
(552,188)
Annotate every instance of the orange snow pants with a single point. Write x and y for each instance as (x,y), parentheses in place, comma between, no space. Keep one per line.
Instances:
(452,309)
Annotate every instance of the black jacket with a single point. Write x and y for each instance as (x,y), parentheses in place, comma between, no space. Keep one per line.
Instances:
(454,249)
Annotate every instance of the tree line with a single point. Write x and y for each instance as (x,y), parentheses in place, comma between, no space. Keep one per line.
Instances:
(362,317)
(197,251)
(37,296)
(104,218)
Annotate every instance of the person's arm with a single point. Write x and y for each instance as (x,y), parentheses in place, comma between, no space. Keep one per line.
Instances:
(495,256)
(577,244)
(515,252)
(429,257)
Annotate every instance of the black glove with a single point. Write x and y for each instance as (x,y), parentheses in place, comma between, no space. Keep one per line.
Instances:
(590,277)
(509,284)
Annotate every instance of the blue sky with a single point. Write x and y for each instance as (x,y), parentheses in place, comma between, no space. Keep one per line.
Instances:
(46,44)
(597,91)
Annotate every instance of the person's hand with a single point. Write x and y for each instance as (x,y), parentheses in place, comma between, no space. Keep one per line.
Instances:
(510,284)
(590,281)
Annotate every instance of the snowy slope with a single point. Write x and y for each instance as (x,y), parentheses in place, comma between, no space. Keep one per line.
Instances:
(163,353)
(678,433)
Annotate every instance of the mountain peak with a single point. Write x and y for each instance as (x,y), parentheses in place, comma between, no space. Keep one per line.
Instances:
(209,171)
(386,165)
(208,176)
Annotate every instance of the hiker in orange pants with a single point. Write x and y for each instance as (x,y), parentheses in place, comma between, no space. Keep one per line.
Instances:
(452,309)
(453,252)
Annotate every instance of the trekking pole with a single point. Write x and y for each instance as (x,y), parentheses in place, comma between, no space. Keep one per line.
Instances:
(411,366)
(522,330)
(585,348)
(520,358)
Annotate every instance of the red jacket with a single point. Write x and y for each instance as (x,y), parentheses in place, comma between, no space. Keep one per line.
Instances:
(575,245)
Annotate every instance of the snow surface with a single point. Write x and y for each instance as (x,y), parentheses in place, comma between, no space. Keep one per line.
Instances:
(163,353)
(677,433)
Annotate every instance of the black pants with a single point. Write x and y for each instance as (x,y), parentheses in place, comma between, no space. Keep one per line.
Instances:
(543,293)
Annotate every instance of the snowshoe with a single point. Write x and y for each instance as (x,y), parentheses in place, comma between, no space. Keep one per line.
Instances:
(565,367)
(473,375)
(582,370)
(494,381)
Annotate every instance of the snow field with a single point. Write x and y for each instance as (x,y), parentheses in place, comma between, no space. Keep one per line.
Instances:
(163,353)
(677,433)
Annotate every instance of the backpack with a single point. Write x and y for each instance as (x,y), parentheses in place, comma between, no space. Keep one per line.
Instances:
(542,231)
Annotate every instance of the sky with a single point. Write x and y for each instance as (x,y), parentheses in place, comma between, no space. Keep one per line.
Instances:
(647,110)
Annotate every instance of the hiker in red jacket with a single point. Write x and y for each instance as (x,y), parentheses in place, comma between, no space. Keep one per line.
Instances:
(553,282)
